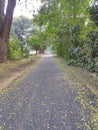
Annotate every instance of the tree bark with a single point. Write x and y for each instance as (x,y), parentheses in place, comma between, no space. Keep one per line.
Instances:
(4,37)
(2,4)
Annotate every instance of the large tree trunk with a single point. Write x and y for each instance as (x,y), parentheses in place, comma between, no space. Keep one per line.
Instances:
(4,37)
(2,4)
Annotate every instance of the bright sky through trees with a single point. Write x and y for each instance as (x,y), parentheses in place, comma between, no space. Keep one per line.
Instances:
(27,9)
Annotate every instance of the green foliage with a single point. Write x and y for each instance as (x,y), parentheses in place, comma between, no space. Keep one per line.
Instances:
(93,11)
(15,49)
(20,27)
(91,50)
(36,41)
(20,31)
(70,26)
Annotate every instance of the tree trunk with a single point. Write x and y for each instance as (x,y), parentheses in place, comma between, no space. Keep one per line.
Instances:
(2,3)
(4,38)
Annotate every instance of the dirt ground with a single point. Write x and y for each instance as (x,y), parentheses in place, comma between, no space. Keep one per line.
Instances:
(13,69)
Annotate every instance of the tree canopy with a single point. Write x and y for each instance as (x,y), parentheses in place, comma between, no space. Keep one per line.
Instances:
(71,26)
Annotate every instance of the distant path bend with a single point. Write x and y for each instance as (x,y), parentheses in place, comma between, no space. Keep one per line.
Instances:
(41,101)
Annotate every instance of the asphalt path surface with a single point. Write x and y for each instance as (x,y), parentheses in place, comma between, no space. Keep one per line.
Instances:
(41,100)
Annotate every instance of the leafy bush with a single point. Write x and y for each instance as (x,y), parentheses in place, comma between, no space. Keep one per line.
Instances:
(15,49)
(93,11)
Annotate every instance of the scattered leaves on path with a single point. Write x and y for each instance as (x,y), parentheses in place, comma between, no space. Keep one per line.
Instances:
(86,92)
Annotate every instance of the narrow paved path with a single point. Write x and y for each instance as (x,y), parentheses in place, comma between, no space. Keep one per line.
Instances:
(41,101)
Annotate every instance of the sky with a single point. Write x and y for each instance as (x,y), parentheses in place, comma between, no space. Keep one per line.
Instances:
(27,9)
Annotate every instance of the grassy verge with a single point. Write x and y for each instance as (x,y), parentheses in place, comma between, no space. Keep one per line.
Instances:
(12,69)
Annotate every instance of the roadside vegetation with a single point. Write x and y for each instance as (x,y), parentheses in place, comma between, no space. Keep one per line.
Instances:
(72,29)
(69,27)
(25,37)
(14,69)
